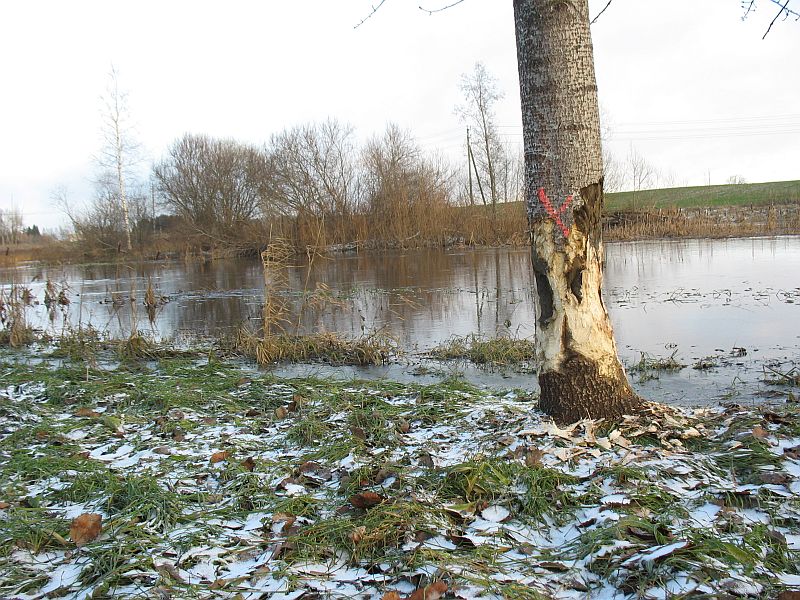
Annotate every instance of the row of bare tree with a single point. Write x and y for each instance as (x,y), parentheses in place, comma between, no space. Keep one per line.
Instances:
(314,179)
(315,184)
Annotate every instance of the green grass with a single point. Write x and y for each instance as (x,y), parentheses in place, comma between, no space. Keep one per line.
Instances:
(776,192)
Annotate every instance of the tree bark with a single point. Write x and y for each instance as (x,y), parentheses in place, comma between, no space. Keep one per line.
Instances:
(580,373)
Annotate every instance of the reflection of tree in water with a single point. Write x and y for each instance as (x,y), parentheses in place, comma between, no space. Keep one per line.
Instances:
(420,296)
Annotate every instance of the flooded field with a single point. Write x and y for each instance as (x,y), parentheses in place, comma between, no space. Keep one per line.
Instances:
(729,308)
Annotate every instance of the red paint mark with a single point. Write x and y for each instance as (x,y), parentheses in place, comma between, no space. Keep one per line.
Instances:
(555,214)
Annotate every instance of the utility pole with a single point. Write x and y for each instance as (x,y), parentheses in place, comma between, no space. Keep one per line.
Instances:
(469,168)
(153,205)
(477,177)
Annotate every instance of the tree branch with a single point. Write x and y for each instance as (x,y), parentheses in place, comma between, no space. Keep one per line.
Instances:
(780,12)
(604,10)
(374,10)
(435,10)
(788,11)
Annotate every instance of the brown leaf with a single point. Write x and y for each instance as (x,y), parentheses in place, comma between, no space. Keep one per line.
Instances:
(170,571)
(760,433)
(281,413)
(403,426)
(789,595)
(391,595)
(366,500)
(556,567)
(433,591)
(253,412)
(774,478)
(85,528)
(314,470)
(162,450)
(248,464)
(178,435)
(793,452)
(218,457)
(209,420)
(4,505)
(358,433)
(87,412)
(243,381)
(533,458)
(357,534)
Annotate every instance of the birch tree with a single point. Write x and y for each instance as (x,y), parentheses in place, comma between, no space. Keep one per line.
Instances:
(580,373)
(481,93)
(119,151)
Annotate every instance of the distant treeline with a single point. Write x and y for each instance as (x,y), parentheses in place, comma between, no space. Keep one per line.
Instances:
(313,186)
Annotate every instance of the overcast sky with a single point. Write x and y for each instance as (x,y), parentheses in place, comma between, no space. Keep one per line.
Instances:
(686,82)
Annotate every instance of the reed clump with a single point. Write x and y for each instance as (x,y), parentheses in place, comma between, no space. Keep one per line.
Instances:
(330,348)
(501,351)
(14,328)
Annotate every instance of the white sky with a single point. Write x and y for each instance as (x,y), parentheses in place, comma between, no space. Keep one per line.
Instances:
(688,83)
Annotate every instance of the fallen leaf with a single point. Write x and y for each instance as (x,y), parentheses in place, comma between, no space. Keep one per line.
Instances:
(426,460)
(281,413)
(358,433)
(760,433)
(4,505)
(774,478)
(170,571)
(793,452)
(218,457)
(87,412)
(403,426)
(85,528)
(357,534)
(556,567)
(433,591)
(789,595)
(248,464)
(366,500)
(391,595)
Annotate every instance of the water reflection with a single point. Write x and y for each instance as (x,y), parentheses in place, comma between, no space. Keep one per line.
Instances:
(699,296)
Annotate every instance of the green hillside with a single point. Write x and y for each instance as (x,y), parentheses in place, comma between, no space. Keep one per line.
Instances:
(776,192)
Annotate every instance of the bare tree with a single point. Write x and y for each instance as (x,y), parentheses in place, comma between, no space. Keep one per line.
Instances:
(11,222)
(642,174)
(120,151)
(403,190)
(315,174)
(216,186)
(481,94)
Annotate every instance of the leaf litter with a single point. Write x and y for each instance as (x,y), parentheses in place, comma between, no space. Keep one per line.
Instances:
(203,487)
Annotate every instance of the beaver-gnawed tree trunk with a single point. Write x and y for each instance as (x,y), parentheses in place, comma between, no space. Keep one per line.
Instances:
(580,374)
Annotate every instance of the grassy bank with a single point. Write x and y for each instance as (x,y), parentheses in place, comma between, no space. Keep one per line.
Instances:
(710,196)
(187,477)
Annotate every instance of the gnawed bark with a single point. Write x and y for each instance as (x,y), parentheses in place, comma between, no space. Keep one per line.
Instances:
(580,374)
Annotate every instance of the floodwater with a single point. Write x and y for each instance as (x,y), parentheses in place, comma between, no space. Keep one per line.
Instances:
(736,300)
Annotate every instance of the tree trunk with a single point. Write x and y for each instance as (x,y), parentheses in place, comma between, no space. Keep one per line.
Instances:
(580,374)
